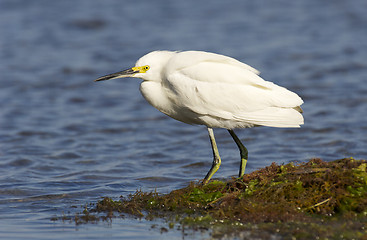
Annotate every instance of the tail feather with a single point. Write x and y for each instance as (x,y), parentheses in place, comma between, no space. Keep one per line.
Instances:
(274,117)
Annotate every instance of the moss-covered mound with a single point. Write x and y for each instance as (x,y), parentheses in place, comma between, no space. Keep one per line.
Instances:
(274,193)
(333,194)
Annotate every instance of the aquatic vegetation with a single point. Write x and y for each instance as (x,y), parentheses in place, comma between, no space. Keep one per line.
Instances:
(273,193)
(316,198)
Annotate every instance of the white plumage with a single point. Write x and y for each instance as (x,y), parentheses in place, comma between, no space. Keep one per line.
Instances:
(213,90)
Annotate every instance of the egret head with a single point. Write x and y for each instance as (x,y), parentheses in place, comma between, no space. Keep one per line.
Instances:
(149,67)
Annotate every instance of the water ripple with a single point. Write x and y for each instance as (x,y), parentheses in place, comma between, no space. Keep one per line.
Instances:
(66,141)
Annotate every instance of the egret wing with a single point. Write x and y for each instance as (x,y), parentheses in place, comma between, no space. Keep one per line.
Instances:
(225,91)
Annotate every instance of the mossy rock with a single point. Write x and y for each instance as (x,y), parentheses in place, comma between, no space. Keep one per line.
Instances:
(333,194)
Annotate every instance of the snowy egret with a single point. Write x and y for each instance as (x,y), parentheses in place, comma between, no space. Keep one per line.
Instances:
(217,91)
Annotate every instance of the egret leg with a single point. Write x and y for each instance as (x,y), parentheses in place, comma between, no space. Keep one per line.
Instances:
(216,157)
(243,153)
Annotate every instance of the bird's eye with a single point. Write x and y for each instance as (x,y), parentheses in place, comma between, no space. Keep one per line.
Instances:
(144,69)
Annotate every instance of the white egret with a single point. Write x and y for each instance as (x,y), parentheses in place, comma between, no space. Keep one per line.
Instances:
(217,91)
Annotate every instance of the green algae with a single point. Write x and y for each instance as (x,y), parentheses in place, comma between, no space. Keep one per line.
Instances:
(307,200)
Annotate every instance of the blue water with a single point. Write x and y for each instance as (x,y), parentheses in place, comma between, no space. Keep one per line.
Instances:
(66,141)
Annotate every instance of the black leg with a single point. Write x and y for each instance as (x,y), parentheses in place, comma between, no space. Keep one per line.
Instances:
(243,153)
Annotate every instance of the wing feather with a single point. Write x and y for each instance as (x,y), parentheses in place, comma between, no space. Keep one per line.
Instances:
(226,90)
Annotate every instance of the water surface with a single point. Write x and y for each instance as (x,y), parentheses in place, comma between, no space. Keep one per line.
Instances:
(66,141)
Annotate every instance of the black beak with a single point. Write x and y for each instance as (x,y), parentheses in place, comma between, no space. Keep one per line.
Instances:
(126,73)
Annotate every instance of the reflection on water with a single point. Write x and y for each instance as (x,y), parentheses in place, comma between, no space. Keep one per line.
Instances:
(66,141)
